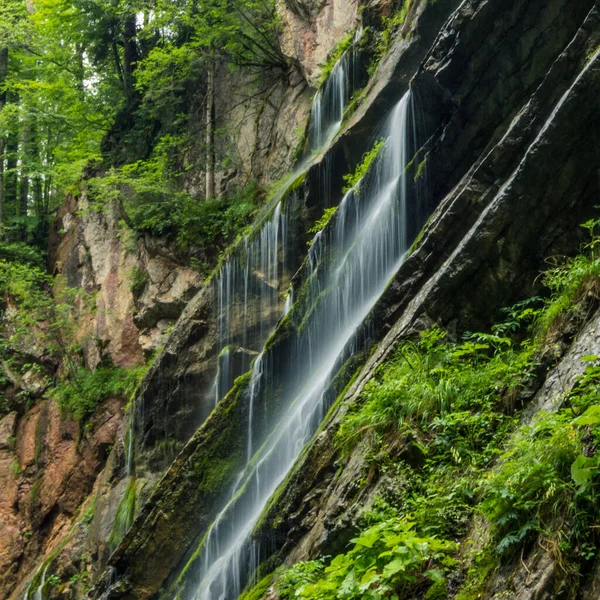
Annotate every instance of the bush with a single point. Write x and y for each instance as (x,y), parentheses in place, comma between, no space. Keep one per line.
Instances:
(22,254)
(446,384)
(79,395)
(387,560)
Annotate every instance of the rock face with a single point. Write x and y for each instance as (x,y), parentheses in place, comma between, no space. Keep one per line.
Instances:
(141,287)
(48,467)
(502,88)
(311,30)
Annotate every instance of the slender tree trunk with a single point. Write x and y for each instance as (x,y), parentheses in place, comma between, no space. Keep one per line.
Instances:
(130,53)
(10,175)
(3,71)
(210,131)
(24,179)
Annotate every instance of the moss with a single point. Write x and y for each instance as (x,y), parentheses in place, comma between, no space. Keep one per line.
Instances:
(352,179)
(421,169)
(259,590)
(335,56)
(213,471)
(125,514)
(285,329)
(438,591)
(420,235)
(34,494)
(478,575)
(137,279)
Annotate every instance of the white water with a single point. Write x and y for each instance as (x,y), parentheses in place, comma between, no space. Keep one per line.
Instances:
(255,272)
(39,592)
(331,101)
(247,291)
(347,272)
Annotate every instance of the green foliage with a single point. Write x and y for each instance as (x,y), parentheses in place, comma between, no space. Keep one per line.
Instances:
(79,395)
(42,308)
(382,39)
(387,560)
(138,278)
(441,383)
(23,254)
(125,514)
(153,204)
(532,485)
(352,179)
(571,280)
(334,57)
(545,484)
(325,217)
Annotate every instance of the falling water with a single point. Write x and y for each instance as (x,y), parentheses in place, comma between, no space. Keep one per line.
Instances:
(345,276)
(248,283)
(247,291)
(331,101)
(39,592)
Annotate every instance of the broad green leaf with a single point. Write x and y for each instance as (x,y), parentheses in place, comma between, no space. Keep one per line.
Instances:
(581,470)
(590,417)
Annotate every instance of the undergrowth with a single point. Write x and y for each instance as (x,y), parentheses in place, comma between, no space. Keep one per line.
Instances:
(80,393)
(441,425)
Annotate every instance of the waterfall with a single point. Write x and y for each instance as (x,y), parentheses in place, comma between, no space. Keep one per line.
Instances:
(345,275)
(331,100)
(256,273)
(246,291)
(39,592)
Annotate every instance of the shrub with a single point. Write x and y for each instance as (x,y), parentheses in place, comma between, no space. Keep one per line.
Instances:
(79,395)
(386,560)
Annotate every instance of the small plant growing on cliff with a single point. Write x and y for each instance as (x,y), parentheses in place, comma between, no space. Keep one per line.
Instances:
(79,395)
(352,179)
(138,279)
(320,224)
(335,56)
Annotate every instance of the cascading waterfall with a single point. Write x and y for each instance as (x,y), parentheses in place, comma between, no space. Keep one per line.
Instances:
(248,284)
(39,592)
(331,101)
(367,244)
(255,274)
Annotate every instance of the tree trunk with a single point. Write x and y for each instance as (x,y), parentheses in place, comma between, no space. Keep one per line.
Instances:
(210,131)
(3,71)
(130,53)
(24,180)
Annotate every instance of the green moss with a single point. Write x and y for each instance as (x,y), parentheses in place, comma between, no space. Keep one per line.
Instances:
(335,56)
(322,222)
(421,169)
(259,590)
(352,179)
(438,591)
(34,494)
(214,470)
(484,565)
(380,42)
(125,514)
(137,278)
(420,235)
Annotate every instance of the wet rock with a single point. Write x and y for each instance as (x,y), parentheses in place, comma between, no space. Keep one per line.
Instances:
(8,428)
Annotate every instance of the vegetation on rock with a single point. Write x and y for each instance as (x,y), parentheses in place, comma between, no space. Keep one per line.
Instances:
(455,410)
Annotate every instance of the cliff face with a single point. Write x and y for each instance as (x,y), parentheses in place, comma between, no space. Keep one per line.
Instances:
(507,166)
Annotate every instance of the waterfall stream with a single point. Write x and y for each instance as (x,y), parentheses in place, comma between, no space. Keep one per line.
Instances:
(368,242)
(331,101)
(249,282)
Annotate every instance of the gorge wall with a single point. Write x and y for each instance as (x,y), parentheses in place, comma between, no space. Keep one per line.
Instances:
(505,170)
